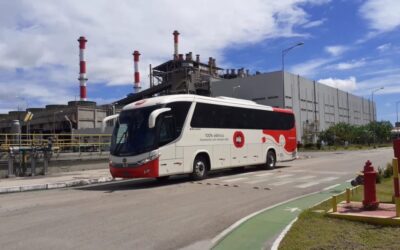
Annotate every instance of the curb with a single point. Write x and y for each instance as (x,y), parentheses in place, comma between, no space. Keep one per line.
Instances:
(56,185)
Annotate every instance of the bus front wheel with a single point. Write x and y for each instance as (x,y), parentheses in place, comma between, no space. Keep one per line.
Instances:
(271,159)
(200,168)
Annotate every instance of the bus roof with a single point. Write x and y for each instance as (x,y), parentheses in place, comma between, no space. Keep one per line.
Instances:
(220,100)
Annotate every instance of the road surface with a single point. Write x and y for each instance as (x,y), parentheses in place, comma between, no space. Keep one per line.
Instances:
(146,214)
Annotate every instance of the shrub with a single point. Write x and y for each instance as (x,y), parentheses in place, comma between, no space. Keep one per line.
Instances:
(388,172)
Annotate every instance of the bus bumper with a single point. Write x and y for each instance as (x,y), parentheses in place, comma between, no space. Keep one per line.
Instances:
(147,170)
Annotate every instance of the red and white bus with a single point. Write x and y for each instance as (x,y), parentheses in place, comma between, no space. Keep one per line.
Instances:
(190,134)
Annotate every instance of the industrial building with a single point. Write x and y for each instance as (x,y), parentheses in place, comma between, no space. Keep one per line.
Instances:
(316,106)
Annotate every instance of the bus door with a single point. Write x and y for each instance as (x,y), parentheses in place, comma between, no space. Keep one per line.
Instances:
(166,135)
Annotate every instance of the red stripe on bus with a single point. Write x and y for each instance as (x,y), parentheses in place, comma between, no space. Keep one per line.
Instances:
(149,169)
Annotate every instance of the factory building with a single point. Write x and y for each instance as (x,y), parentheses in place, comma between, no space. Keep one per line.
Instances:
(77,116)
(316,106)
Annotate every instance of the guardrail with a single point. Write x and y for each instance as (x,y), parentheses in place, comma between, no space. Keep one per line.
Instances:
(58,142)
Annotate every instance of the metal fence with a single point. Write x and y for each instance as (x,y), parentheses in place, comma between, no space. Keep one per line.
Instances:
(58,142)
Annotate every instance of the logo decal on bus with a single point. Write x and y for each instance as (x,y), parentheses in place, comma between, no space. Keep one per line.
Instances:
(238,139)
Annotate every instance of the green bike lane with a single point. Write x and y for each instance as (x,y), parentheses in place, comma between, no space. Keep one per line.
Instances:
(259,231)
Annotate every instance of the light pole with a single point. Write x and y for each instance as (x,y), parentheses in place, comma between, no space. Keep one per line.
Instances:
(372,98)
(285,51)
(397,112)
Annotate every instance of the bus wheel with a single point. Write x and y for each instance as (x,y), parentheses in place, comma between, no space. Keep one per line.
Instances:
(271,159)
(200,168)
(162,178)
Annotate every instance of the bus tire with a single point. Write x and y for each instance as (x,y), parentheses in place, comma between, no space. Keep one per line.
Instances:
(162,178)
(200,168)
(271,160)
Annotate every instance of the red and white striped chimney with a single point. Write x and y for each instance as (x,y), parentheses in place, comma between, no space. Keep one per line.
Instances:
(176,41)
(136,55)
(82,68)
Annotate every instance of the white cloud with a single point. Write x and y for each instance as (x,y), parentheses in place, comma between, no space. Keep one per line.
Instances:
(384,47)
(349,65)
(309,68)
(40,38)
(382,15)
(349,84)
(390,82)
(336,50)
(315,23)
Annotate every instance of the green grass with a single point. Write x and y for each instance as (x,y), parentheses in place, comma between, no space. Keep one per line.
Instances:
(314,230)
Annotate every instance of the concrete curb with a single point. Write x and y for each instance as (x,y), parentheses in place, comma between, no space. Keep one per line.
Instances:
(56,185)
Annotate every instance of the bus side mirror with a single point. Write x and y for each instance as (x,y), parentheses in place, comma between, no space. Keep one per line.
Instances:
(153,116)
(105,120)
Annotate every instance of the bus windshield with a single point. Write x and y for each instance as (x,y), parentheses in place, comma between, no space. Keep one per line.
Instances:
(132,135)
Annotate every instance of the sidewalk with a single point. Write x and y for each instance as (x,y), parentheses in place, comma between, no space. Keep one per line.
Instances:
(261,229)
(58,180)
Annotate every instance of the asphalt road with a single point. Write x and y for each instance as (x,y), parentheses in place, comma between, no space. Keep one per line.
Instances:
(146,214)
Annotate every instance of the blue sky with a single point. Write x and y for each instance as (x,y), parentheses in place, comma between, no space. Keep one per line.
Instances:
(352,45)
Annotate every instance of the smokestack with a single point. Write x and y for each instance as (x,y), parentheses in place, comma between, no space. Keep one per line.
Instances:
(82,68)
(136,86)
(180,57)
(197,58)
(176,41)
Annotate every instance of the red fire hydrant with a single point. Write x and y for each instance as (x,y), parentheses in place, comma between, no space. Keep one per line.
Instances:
(370,202)
(396,148)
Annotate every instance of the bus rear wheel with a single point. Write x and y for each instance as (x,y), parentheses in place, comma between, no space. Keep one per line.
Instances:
(200,168)
(271,160)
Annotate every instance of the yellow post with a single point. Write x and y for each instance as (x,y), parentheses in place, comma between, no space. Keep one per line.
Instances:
(334,203)
(397,200)
(347,195)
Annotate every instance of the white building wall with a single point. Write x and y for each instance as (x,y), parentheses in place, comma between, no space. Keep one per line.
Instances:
(312,102)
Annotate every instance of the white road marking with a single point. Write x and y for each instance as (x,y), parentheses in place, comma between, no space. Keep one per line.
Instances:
(280,183)
(284,176)
(306,177)
(319,171)
(330,187)
(235,179)
(309,184)
(257,181)
(265,174)
(328,179)
(292,209)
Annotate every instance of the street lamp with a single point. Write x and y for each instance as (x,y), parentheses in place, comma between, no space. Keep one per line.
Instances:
(397,112)
(372,98)
(285,51)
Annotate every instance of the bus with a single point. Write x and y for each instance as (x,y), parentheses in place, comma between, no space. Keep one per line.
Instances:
(190,134)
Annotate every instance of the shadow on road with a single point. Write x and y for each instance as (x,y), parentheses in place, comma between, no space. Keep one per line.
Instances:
(134,184)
